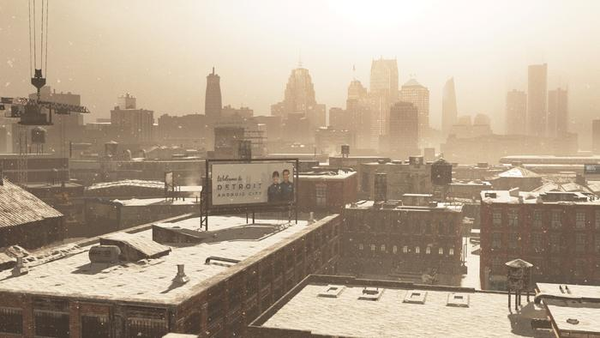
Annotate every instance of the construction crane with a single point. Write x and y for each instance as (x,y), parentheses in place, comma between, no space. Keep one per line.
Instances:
(35,112)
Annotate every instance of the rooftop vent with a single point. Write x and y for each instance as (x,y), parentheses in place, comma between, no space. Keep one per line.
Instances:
(573,321)
(181,277)
(221,261)
(104,254)
(332,291)
(19,268)
(490,195)
(458,299)
(415,297)
(370,293)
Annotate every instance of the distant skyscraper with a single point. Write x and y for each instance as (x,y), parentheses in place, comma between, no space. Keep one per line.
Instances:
(596,137)
(516,113)
(449,109)
(413,92)
(359,109)
(537,113)
(299,97)
(403,134)
(132,125)
(383,91)
(213,103)
(558,112)
(384,77)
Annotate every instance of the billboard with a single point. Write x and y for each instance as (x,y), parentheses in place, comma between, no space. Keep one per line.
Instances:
(269,183)
(591,169)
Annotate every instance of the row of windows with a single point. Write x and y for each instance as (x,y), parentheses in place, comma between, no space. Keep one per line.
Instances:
(556,220)
(421,228)
(406,249)
(555,242)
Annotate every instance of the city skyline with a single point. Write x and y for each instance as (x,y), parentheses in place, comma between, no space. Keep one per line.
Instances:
(164,71)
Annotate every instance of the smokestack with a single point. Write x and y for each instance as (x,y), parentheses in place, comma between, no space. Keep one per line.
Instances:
(380,187)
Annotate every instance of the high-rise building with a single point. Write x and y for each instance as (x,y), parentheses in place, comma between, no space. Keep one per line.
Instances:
(299,97)
(212,102)
(516,113)
(413,92)
(449,109)
(384,78)
(537,113)
(558,112)
(132,125)
(360,111)
(383,92)
(596,136)
(403,134)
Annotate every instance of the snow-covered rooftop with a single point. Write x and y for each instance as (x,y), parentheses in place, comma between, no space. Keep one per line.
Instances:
(148,280)
(128,183)
(397,313)
(143,202)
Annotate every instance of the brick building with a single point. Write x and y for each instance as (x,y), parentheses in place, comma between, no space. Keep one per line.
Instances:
(341,306)
(27,221)
(407,242)
(327,191)
(558,232)
(214,285)
(403,177)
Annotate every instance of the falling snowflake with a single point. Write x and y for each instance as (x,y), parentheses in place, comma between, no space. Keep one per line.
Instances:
(10,63)
(7,84)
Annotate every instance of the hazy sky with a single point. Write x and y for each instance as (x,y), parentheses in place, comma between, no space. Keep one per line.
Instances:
(161,51)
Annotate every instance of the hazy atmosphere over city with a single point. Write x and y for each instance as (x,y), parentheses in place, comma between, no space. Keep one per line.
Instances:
(160,50)
(266,169)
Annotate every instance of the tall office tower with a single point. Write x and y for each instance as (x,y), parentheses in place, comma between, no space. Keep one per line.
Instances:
(449,109)
(596,137)
(558,112)
(299,97)
(384,78)
(132,125)
(383,91)
(537,93)
(359,110)
(516,113)
(212,102)
(404,130)
(413,92)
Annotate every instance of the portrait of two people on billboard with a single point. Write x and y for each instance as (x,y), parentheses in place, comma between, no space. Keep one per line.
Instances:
(281,190)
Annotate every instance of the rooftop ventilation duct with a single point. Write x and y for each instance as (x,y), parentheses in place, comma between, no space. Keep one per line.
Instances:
(20,268)
(181,277)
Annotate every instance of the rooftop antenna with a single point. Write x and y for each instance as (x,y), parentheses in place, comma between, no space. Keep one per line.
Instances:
(354,72)
(213,72)
(300,59)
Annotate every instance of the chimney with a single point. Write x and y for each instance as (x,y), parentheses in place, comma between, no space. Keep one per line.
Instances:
(1,177)
(380,187)
(311,218)
(181,278)
(345,150)
(20,268)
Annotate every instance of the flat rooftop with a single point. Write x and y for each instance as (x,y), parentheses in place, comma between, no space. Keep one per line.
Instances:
(147,280)
(400,310)
(505,196)
(574,308)
(440,206)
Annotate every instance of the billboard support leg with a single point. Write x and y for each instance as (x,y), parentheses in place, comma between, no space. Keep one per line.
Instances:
(253,218)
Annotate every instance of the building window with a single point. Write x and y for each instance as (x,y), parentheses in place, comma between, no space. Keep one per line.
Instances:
(441,251)
(513,218)
(395,249)
(497,218)
(513,240)
(597,220)
(496,265)
(372,247)
(428,250)
(556,219)
(361,247)
(496,240)
(580,242)
(382,247)
(580,219)
(96,327)
(417,250)
(51,324)
(321,194)
(554,243)
(536,241)
(11,321)
(451,251)
(405,249)
(537,218)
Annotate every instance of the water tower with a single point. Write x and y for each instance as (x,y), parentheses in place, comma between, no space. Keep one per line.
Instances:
(441,177)
(38,139)
(518,278)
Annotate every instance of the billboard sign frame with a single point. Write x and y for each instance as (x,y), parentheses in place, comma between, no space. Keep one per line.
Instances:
(208,208)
